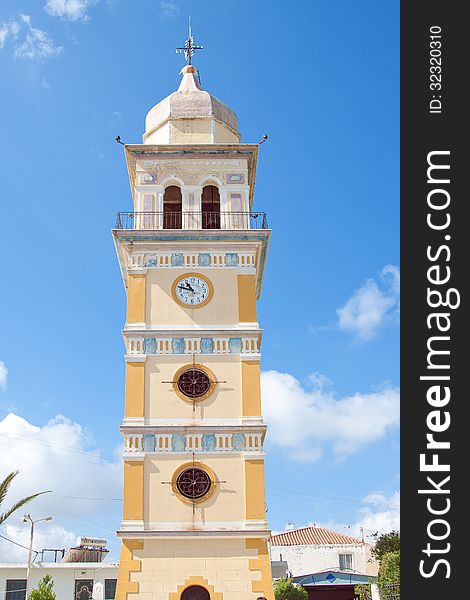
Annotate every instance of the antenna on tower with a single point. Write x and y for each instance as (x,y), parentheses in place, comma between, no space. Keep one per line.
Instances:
(189,47)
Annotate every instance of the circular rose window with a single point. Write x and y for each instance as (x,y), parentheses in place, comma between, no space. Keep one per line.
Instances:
(194,383)
(193,483)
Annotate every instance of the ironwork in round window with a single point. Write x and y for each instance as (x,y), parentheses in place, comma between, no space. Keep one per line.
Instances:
(193,483)
(194,383)
(195,592)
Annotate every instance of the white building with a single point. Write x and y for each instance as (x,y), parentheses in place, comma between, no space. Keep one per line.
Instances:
(78,574)
(88,580)
(316,549)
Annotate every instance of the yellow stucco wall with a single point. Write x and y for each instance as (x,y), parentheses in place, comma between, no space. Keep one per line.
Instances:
(162,505)
(133,501)
(199,581)
(135,393)
(246,298)
(161,400)
(164,309)
(127,564)
(231,569)
(255,508)
(251,391)
(136,296)
(263,585)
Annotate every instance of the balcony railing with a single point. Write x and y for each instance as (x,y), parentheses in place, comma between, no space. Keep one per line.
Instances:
(216,442)
(191,220)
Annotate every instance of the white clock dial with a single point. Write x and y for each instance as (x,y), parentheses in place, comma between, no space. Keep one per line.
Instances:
(192,290)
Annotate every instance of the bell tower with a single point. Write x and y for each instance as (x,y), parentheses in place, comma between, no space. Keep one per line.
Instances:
(192,254)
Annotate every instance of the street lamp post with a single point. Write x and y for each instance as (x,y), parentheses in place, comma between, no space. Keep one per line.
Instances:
(26,518)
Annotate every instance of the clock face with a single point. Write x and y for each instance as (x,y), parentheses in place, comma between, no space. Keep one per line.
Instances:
(192,290)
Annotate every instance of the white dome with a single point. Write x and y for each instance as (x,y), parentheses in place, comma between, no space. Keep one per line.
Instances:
(190,116)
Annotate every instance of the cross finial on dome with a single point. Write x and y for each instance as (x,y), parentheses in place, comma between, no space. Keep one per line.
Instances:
(189,47)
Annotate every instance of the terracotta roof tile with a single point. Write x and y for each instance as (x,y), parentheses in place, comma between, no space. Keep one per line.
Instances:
(312,536)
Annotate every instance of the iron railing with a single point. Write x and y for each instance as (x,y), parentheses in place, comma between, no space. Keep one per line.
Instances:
(191,220)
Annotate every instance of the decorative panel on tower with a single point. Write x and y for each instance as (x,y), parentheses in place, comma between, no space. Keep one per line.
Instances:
(192,256)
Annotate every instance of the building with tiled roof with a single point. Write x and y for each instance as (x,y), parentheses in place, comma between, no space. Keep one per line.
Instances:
(312,536)
(314,549)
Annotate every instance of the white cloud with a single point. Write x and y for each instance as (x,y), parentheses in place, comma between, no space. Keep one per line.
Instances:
(46,535)
(319,381)
(305,422)
(58,456)
(70,10)
(37,44)
(371,305)
(391,273)
(169,8)
(8,30)
(381,513)
(97,154)
(26,19)
(3,374)
(378,513)
(115,118)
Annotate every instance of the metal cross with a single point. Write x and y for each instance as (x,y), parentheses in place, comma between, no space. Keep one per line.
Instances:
(189,47)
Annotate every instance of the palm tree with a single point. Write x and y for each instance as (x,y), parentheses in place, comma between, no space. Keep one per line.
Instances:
(4,485)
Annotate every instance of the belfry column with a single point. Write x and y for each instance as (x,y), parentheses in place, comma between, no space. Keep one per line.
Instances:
(194,520)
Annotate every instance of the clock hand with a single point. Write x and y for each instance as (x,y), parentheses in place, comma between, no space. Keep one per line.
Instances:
(189,287)
(185,288)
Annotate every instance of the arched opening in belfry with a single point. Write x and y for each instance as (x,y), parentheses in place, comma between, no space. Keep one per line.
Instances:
(195,592)
(172,207)
(210,206)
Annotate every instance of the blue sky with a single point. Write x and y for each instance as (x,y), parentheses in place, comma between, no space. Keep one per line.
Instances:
(321,79)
